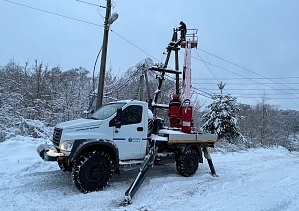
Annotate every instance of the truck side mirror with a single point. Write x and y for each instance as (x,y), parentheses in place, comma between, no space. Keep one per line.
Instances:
(118,117)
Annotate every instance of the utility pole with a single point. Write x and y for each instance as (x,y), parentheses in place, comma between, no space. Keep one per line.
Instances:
(104,55)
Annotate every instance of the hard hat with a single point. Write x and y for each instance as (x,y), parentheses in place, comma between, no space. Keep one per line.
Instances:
(175,96)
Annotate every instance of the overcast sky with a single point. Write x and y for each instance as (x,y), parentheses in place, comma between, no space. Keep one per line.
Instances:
(261,37)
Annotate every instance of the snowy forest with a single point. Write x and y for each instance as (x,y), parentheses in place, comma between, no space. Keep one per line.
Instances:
(35,96)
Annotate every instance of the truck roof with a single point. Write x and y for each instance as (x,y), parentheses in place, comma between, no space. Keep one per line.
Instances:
(130,102)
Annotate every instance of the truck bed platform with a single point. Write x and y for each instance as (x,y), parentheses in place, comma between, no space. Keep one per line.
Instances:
(176,137)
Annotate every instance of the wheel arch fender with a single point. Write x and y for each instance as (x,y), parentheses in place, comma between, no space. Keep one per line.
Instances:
(96,144)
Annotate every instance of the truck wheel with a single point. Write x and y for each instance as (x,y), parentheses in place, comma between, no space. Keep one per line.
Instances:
(187,162)
(92,171)
(63,165)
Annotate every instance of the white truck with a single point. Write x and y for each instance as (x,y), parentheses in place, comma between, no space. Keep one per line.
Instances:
(94,148)
(123,132)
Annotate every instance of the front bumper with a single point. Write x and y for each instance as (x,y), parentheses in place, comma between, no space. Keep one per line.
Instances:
(49,153)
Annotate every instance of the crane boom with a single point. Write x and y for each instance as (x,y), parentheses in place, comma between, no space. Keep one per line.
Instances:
(191,42)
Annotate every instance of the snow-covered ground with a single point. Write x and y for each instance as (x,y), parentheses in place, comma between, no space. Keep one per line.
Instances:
(258,179)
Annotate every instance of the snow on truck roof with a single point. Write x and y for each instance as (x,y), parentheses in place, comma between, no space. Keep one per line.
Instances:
(129,102)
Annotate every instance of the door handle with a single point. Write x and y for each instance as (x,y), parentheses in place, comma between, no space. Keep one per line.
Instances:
(140,129)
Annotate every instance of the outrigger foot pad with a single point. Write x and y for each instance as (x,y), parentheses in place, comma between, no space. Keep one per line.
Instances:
(127,201)
(214,175)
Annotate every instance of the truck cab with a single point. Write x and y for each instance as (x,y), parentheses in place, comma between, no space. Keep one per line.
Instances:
(117,130)
(123,123)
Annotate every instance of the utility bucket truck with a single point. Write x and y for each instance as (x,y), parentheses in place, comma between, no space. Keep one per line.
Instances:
(128,131)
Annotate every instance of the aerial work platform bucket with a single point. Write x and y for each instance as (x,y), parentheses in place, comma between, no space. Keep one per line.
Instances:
(191,38)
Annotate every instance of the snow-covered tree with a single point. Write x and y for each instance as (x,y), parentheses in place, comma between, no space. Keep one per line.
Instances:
(50,95)
(221,118)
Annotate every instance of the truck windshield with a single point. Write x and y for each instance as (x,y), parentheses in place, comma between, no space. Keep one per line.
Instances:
(106,111)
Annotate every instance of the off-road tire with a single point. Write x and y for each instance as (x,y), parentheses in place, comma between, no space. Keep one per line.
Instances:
(92,171)
(63,165)
(187,162)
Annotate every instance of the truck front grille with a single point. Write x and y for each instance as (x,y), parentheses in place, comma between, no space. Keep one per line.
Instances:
(56,136)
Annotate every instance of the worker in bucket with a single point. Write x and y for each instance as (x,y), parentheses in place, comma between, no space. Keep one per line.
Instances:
(183,29)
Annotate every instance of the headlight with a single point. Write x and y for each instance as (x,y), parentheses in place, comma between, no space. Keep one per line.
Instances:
(66,145)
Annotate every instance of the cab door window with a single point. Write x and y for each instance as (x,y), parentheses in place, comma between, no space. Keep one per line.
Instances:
(131,115)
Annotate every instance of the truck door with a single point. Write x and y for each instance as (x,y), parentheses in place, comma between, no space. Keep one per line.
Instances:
(132,133)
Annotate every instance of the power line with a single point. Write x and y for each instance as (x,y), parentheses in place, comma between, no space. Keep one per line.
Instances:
(239,84)
(53,13)
(206,93)
(252,96)
(248,78)
(245,69)
(83,21)
(247,95)
(96,5)
(207,66)
(210,70)
(205,79)
(134,45)
(90,23)
(257,89)
(258,94)
(267,98)
(85,2)
(202,94)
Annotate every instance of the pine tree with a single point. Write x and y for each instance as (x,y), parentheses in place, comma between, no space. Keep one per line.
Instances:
(221,118)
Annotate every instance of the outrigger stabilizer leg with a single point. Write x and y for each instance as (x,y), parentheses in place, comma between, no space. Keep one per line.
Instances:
(210,162)
(147,164)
